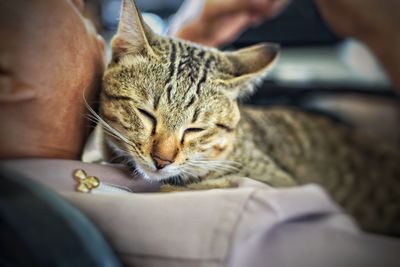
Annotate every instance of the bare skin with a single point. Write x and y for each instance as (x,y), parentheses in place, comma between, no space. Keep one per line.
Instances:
(374,22)
(221,21)
(50,56)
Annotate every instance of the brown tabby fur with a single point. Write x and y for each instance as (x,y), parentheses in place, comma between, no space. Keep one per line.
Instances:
(173,104)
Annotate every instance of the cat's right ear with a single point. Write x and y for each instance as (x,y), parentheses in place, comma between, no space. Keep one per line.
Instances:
(250,66)
(133,35)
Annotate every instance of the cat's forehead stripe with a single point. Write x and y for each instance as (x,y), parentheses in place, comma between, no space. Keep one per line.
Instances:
(156,101)
(188,71)
(195,115)
(169,93)
(172,60)
(204,77)
(172,70)
(191,101)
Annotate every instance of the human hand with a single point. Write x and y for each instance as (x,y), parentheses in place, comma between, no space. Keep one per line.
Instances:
(221,21)
(374,22)
(362,19)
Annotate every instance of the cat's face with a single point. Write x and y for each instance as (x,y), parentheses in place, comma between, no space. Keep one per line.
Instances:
(173,105)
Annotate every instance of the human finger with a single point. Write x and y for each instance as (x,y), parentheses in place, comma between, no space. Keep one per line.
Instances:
(233,26)
(215,8)
(272,8)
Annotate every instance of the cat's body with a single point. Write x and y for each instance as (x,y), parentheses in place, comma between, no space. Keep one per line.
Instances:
(276,145)
(171,108)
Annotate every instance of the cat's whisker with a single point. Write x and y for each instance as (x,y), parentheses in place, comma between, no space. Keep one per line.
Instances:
(104,124)
(96,120)
(224,168)
(188,174)
(108,128)
(111,160)
(220,169)
(111,134)
(229,162)
(217,165)
(128,157)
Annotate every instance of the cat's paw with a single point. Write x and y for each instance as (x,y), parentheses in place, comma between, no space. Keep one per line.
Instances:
(213,184)
(167,188)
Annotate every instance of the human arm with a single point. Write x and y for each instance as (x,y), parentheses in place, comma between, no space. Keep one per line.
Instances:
(374,22)
(218,22)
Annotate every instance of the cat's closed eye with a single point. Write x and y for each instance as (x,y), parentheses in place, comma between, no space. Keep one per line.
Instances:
(149,120)
(194,130)
(224,127)
(190,133)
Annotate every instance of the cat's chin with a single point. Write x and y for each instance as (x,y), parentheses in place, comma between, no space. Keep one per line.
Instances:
(143,169)
(145,172)
(155,176)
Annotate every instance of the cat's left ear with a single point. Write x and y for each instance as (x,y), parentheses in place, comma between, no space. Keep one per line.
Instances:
(250,66)
(133,35)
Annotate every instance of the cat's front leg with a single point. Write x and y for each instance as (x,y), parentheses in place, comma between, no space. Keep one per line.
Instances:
(225,182)
(167,188)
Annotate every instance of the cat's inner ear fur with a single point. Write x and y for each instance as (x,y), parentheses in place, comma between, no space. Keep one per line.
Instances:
(250,65)
(133,35)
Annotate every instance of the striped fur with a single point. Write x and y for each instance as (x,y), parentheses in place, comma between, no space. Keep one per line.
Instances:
(176,101)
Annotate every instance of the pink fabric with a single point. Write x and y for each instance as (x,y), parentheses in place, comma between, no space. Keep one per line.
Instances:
(252,225)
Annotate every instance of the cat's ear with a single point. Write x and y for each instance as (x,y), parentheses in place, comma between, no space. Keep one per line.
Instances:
(133,35)
(250,66)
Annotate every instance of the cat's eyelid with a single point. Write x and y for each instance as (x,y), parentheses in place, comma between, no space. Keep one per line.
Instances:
(192,132)
(195,129)
(224,127)
(146,113)
(198,127)
(151,117)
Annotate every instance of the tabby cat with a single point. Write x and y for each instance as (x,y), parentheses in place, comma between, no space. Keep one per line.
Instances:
(171,107)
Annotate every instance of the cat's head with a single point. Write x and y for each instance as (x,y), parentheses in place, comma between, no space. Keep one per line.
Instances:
(172,105)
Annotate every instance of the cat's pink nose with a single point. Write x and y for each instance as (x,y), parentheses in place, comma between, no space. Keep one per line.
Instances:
(160,162)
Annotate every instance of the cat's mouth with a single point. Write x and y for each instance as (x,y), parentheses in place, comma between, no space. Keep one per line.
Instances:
(156,175)
(146,170)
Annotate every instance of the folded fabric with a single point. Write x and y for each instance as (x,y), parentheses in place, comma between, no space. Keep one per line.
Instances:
(252,225)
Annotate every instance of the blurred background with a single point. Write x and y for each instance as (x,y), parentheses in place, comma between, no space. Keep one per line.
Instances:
(317,71)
